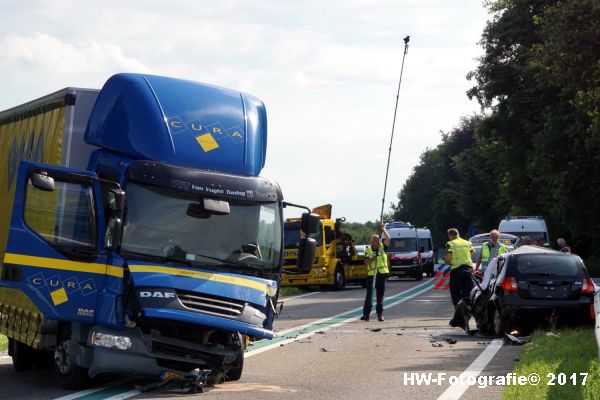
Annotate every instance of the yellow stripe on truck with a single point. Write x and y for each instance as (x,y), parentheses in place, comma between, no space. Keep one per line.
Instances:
(199,275)
(65,265)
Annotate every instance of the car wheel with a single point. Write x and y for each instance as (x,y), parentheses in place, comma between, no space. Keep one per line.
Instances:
(340,279)
(499,323)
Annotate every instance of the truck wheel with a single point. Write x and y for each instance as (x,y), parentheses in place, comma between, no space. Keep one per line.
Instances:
(22,355)
(235,373)
(340,279)
(71,376)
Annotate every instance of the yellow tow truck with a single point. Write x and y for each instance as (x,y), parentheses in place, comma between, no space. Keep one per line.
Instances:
(336,261)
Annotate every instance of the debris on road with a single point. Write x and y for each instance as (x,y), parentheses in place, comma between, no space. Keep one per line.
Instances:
(517,340)
(324,350)
(450,340)
(437,344)
(320,332)
(375,329)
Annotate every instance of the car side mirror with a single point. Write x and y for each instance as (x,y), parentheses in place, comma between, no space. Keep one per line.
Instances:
(310,223)
(306,255)
(43,182)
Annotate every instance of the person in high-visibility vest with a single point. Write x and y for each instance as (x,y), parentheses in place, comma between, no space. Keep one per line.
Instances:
(458,255)
(377,269)
(490,250)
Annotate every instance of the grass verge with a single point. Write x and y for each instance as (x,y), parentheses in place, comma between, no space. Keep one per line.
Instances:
(3,343)
(565,354)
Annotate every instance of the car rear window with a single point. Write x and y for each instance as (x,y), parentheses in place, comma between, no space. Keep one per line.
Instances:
(558,265)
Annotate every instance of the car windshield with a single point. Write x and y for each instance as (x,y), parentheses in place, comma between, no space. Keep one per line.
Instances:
(159,223)
(402,245)
(558,265)
(292,235)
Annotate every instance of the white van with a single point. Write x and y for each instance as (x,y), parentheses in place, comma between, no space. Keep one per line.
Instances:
(532,226)
(410,250)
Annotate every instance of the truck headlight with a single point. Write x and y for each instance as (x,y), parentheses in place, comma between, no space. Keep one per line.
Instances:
(110,341)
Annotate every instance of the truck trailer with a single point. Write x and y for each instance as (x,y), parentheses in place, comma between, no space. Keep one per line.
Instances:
(136,235)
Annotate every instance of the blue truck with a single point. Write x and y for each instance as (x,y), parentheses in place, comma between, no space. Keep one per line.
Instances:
(136,235)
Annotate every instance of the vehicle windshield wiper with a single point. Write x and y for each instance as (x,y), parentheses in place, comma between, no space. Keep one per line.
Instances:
(154,258)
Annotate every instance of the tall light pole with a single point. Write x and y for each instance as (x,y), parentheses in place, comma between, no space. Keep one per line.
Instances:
(406,40)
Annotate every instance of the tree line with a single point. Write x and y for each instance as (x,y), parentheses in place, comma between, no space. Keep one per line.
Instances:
(535,147)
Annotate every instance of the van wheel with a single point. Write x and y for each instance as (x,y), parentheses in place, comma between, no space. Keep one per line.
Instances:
(71,376)
(340,279)
(22,355)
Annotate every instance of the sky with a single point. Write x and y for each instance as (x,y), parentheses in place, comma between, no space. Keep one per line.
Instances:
(327,72)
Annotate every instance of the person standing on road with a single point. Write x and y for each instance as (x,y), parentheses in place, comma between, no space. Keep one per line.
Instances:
(563,246)
(490,250)
(458,255)
(378,270)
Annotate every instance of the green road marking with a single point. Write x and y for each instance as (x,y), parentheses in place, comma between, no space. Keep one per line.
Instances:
(340,318)
(106,393)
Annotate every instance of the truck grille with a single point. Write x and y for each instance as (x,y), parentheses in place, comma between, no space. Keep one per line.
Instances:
(211,304)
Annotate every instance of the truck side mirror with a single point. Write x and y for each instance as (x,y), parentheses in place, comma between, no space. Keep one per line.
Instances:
(43,182)
(116,200)
(306,254)
(114,232)
(310,223)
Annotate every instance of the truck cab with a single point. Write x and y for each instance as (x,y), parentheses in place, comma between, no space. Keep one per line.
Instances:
(336,261)
(163,254)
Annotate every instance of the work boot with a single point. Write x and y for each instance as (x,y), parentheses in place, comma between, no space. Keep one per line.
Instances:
(380,317)
(364,318)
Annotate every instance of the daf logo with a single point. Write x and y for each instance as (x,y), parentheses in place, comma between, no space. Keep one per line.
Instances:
(158,294)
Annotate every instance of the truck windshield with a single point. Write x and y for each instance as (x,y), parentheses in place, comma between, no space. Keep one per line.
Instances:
(292,235)
(157,224)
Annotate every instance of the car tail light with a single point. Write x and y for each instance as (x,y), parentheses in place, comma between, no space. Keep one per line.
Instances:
(588,286)
(509,284)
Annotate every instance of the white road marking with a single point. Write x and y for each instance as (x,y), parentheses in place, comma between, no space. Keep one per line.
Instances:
(454,392)
(125,395)
(284,299)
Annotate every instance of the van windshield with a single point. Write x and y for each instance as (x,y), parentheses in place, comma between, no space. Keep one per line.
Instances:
(402,245)
(532,235)
(558,265)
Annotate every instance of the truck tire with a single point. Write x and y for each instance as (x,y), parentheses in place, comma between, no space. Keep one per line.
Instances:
(70,376)
(22,355)
(340,278)
(235,373)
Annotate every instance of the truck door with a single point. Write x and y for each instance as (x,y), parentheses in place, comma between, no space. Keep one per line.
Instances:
(54,253)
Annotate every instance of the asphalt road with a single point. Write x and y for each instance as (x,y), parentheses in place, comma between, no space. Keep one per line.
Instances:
(323,351)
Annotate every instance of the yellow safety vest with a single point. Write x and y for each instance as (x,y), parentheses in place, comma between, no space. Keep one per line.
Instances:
(381,262)
(461,252)
(486,251)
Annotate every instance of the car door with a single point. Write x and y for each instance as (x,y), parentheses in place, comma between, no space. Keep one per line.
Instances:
(54,255)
